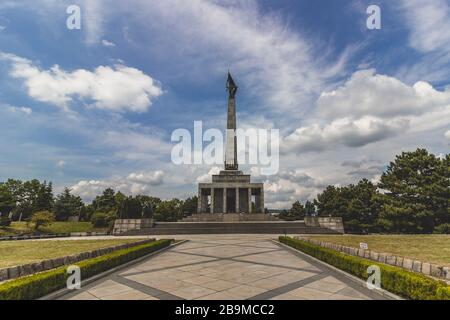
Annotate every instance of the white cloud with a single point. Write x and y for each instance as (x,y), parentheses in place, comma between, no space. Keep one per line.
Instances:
(94,18)
(118,88)
(107,43)
(152,178)
(277,64)
(429,22)
(61,164)
(369,108)
(347,132)
(207,177)
(134,184)
(2,28)
(447,135)
(24,110)
(368,93)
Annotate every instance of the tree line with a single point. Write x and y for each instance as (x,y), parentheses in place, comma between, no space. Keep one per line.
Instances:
(21,201)
(412,196)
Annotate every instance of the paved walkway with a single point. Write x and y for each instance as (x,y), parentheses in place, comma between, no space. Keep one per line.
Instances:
(226,267)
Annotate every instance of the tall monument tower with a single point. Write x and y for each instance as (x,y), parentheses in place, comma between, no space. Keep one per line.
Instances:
(231,162)
(231,195)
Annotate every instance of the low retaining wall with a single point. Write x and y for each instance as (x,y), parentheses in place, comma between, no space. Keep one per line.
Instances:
(31,268)
(53,236)
(125,225)
(428,269)
(333,223)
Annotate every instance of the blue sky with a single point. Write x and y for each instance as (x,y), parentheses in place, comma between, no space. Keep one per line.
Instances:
(95,107)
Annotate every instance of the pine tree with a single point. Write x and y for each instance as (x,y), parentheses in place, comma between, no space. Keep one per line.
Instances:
(415,193)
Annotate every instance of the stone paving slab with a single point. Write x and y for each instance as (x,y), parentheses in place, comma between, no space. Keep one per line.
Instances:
(226,267)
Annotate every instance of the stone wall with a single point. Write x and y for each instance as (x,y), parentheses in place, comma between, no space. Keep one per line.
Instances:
(428,269)
(333,223)
(125,225)
(31,268)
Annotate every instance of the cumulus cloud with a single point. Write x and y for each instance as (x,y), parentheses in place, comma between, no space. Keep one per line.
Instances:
(369,108)
(205,178)
(134,183)
(364,168)
(151,178)
(447,135)
(347,132)
(368,93)
(118,88)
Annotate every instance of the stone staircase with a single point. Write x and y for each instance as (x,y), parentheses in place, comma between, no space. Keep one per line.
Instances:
(268,227)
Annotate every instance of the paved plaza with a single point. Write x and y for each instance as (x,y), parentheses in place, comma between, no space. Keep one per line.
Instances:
(227,267)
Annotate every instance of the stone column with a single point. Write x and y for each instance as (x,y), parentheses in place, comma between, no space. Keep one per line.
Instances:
(258,203)
(212,201)
(262,200)
(224,200)
(249,200)
(204,203)
(237,201)
(199,201)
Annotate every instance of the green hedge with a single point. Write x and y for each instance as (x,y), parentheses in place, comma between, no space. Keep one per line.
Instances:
(393,279)
(41,284)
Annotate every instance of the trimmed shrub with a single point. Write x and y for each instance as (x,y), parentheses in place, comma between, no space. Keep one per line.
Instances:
(394,279)
(41,284)
(100,220)
(42,219)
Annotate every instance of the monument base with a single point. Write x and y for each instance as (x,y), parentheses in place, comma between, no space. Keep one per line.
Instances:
(229,217)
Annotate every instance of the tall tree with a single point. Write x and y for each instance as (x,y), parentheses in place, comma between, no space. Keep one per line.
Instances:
(310,209)
(169,210)
(189,206)
(356,204)
(106,202)
(415,193)
(297,211)
(67,205)
(130,208)
(7,203)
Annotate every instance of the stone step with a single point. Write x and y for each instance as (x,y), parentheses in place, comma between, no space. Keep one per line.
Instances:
(231,228)
(194,225)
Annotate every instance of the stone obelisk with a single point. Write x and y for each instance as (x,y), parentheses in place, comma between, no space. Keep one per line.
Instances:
(231,162)
(231,196)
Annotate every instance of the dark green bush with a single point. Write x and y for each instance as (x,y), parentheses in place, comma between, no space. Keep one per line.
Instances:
(100,220)
(5,222)
(442,229)
(394,279)
(41,284)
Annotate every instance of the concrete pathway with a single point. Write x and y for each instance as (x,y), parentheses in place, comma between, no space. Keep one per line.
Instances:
(226,267)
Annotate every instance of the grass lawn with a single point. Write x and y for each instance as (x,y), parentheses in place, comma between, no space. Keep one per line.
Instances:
(14,253)
(426,248)
(56,227)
